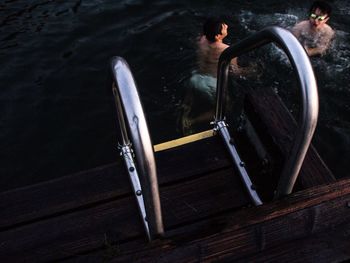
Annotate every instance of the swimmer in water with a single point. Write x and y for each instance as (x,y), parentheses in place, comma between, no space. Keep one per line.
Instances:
(315,34)
(203,81)
(210,46)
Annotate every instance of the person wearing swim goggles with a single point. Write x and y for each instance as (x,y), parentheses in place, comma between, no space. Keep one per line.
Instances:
(319,18)
(315,34)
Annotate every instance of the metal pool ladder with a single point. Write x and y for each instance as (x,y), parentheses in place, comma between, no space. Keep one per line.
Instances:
(137,149)
(309,113)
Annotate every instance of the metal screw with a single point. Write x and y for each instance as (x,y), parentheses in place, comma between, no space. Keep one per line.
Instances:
(265,162)
(138,192)
(242,164)
(131,169)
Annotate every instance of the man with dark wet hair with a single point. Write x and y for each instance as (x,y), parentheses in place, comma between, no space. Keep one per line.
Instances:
(210,46)
(213,27)
(315,34)
(203,81)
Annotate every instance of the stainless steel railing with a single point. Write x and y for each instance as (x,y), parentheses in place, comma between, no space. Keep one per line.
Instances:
(136,147)
(309,113)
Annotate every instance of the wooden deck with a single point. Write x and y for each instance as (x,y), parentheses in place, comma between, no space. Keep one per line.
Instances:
(92,216)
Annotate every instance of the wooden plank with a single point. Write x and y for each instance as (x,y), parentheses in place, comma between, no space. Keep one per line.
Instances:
(278,126)
(64,194)
(331,245)
(105,183)
(191,160)
(328,246)
(117,221)
(252,230)
(183,140)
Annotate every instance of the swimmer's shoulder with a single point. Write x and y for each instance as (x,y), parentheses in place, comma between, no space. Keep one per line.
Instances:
(329,31)
(300,27)
(302,24)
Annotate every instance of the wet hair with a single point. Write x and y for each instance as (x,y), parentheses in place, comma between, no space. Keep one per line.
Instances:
(212,27)
(323,6)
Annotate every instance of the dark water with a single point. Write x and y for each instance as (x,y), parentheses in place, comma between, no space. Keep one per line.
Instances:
(57,114)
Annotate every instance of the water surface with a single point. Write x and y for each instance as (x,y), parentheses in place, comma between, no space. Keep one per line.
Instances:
(57,113)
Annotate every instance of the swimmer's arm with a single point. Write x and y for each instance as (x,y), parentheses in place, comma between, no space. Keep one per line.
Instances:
(235,69)
(252,69)
(234,62)
(315,51)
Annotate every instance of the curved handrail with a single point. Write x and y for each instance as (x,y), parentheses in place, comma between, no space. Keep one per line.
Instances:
(129,105)
(309,114)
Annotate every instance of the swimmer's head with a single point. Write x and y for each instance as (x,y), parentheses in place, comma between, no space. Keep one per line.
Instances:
(215,29)
(324,7)
(319,13)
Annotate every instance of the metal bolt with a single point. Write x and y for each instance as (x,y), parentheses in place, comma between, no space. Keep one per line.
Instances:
(138,192)
(131,169)
(242,164)
(265,162)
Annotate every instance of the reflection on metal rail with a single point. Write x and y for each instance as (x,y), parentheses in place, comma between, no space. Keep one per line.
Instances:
(132,122)
(221,128)
(309,114)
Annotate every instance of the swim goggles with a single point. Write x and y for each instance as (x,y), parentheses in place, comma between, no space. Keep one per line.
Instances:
(319,18)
